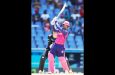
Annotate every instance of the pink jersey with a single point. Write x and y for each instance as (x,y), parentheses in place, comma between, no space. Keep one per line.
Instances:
(61,34)
(61,38)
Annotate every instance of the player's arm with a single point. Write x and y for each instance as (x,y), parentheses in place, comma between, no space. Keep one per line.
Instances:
(60,28)
(49,41)
(53,23)
(57,27)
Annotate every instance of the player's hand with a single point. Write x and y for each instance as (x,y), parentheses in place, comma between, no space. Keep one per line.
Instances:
(54,21)
(55,18)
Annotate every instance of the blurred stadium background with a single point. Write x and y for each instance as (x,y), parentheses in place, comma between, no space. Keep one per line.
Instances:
(42,12)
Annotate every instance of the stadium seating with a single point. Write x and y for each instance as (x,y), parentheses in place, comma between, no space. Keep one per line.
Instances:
(33,44)
(41,37)
(72,44)
(39,42)
(32,11)
(66,45)
(79,40)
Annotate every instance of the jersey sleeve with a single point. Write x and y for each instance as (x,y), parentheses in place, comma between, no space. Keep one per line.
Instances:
(60,28)
(53,28)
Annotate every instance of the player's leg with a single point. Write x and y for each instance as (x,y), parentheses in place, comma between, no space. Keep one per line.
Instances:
(42,61)
(67,62)
(51,56)
(51,62)
(64,63)
(70,70)
(45,54)
(62,59)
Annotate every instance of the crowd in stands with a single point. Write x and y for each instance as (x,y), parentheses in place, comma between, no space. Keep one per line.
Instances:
(43,11)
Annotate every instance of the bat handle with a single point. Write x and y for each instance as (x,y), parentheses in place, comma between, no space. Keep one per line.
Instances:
(54,20)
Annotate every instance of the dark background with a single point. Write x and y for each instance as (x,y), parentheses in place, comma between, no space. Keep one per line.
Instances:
(16,49)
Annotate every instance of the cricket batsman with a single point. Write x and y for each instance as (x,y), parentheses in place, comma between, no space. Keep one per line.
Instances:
(57,48)
(51,39)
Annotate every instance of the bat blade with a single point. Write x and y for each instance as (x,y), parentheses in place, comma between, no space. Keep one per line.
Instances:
(63,8)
